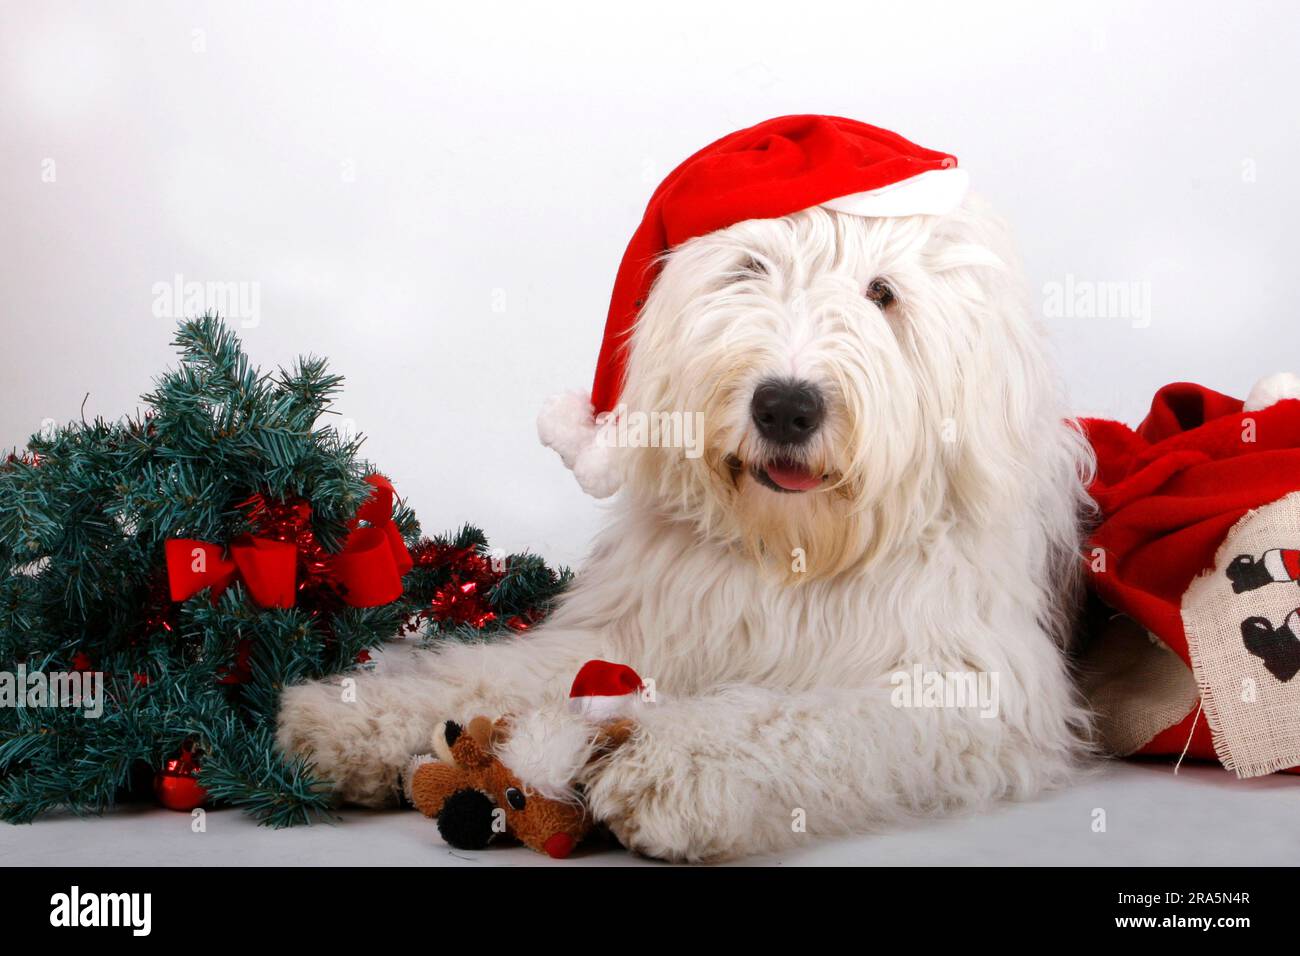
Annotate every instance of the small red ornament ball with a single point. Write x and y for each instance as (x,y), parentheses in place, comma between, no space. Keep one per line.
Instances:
(176,786)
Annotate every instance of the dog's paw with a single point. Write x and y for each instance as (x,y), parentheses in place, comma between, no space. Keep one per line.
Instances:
(654,801)
(318,724)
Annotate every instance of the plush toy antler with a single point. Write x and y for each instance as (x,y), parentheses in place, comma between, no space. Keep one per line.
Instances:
(476,798)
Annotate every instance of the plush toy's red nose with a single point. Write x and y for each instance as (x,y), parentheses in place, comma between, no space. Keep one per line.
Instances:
(558,845)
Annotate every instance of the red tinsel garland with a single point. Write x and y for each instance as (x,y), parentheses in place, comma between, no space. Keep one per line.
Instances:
(463,599)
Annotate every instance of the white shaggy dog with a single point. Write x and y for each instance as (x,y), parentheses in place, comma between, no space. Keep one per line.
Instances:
(896,360)
(945,536)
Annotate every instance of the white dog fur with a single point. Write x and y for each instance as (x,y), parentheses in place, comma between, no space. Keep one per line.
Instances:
(946,536)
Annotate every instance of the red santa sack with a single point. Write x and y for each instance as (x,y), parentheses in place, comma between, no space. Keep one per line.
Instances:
(1196,558)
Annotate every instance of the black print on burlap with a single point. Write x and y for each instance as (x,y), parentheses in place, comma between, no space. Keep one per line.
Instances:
(1278,647)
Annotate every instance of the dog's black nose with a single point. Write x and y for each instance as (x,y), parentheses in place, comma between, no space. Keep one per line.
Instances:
(787,413)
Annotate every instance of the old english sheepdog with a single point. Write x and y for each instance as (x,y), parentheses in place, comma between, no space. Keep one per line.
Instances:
(851,594)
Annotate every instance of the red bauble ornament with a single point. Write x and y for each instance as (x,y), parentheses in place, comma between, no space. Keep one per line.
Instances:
(179,793)
(177,787)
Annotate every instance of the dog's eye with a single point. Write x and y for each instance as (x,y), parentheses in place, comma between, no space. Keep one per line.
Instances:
(751,268)
(515,797)
(881,293)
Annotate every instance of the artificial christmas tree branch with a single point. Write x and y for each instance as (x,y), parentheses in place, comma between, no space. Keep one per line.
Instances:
(223,457)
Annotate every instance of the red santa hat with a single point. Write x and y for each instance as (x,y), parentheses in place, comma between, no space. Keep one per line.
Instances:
(776,168)
(603,690)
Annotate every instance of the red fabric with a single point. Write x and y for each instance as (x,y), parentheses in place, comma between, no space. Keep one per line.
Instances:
(374,557)
(369,568)
(268,568)
(1291,561)
(605,679)
(1169,492)
(774,169)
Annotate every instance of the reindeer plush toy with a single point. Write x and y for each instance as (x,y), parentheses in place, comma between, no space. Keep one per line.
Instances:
(477,798)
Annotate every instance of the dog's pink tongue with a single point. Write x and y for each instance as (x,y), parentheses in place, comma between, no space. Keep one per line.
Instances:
(793,477)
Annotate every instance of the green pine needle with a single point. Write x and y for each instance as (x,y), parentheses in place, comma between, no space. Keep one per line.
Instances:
(85,510)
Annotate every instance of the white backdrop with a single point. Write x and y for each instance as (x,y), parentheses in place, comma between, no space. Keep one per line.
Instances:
(436,197)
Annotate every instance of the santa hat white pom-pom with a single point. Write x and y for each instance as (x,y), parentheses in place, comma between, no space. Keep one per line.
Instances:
(1273,389)
(567,424)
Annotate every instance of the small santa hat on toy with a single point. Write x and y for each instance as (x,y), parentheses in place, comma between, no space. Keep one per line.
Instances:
(603,691)
(776,168)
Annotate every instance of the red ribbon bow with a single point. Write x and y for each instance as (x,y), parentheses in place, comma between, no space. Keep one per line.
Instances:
(368,570)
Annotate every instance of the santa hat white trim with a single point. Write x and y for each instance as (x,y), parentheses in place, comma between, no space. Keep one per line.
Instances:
(600,708)
(932,193)
(1271,390)
(567,422)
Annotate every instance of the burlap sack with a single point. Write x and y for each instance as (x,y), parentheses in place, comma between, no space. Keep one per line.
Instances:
(1254,715)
